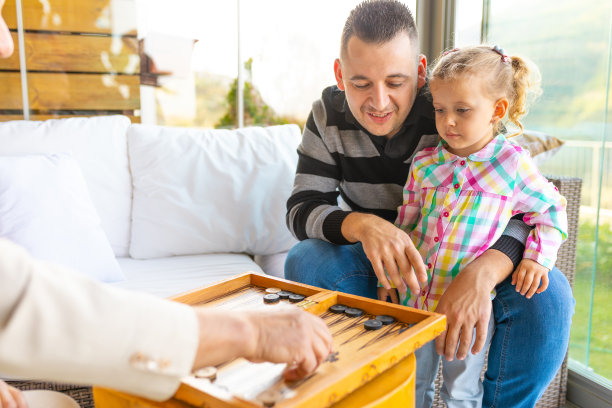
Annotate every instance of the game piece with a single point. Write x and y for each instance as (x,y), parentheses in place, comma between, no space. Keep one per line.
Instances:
(273,290)
(353,312)
(372,324)
(386,319)
(338,308)
(284,294)
(209,373)
(271,298)
(270,397)
(295,298)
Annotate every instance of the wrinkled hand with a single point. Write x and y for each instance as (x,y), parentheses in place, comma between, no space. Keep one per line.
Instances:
(11,397)
(528,276)
(292,336)
(467,305)
(388,248)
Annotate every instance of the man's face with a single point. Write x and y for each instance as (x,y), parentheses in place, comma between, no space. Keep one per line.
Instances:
(381,82)
(6,41)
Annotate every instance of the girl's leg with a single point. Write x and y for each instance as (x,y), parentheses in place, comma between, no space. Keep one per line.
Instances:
(529,343)
(427,360)
(344,268)
(462,387)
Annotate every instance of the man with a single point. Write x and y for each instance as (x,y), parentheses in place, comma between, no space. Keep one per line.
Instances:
(60,326)
(358,143)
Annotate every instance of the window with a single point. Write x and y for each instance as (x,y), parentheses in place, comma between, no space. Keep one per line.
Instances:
(287,50)
(570,43)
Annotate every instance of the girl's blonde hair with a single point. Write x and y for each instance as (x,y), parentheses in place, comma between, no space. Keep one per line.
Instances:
(511,77)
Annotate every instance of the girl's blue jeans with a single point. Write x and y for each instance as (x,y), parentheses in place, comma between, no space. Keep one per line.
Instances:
(530,339)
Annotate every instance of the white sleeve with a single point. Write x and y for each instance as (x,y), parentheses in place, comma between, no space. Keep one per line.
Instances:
(57,325)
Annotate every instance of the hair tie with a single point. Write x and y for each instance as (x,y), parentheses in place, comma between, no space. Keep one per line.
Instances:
(500,51)
(445,53)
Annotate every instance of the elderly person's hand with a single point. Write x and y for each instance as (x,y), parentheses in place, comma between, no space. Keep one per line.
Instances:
(282,334)
(11,397)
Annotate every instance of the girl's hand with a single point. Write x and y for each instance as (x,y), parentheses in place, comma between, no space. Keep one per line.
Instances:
(11,397)
(530,277)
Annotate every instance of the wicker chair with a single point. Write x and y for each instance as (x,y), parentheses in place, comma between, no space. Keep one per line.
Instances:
(570,188)
(80,393)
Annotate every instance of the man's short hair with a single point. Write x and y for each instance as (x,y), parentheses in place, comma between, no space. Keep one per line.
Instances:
(379,21)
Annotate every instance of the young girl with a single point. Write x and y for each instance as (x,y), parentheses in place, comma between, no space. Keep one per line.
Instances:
(460,195)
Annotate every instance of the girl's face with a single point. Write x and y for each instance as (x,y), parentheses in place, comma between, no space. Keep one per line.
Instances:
(465,113)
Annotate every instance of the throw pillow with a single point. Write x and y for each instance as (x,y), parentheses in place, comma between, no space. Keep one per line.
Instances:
(205,191)
(45,208)
(540,145)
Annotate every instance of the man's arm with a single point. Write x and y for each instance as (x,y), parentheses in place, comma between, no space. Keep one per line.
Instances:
(312,208)
(467,304)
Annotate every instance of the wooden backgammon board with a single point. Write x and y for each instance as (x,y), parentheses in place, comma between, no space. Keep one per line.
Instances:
(372,363)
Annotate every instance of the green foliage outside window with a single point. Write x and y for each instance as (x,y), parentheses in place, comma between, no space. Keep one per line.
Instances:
(256,111)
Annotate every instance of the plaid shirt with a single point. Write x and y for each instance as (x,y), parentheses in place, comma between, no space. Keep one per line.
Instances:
(455,208)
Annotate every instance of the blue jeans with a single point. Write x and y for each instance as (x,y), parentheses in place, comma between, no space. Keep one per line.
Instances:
(530,338)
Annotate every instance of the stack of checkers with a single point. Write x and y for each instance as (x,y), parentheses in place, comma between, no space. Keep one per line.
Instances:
(372,324)
(209,373)
(274,295)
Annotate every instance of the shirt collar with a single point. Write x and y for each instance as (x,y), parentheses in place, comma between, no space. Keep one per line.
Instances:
(441,155)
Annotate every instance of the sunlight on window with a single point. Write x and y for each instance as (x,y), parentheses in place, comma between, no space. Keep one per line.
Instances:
(573,60)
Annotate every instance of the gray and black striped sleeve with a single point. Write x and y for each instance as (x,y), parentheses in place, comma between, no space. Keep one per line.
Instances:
(315,190)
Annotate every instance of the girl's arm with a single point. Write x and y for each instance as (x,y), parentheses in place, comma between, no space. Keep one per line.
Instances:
(544,208)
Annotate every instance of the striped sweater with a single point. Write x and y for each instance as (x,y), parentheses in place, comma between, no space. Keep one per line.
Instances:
(342,168)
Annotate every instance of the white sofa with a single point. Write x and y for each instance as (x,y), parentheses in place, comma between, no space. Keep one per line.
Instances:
(178,208)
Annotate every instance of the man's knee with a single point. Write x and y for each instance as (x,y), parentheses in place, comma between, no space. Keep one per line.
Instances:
(296,263)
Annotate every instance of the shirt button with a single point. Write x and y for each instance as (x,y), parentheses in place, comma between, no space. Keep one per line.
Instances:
(457,185)
(423,292)
(446,213)
(429,266)
(462,162)
(436,239)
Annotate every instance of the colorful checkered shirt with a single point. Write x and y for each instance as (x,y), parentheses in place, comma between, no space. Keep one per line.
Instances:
(455,208)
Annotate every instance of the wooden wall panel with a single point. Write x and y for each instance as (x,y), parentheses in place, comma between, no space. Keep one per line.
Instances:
(76,53)
(82,59)
(83,16)
(48,91)
(11,63)
(83,92)
(5,118)
(10,91)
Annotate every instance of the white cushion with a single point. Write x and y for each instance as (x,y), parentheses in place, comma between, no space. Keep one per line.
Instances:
(206,191)
(45,207)
(273,264)
(166,277)
(99,145)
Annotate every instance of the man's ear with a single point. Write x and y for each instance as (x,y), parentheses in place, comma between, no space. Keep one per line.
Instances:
(338,74)
(421,71)
(501,107)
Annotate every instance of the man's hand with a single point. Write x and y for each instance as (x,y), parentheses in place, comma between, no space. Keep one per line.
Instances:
(467,304)
(528,276)
(388,248)
(11,397)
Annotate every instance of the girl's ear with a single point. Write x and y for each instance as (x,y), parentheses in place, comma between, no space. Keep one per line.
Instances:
(501,107)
